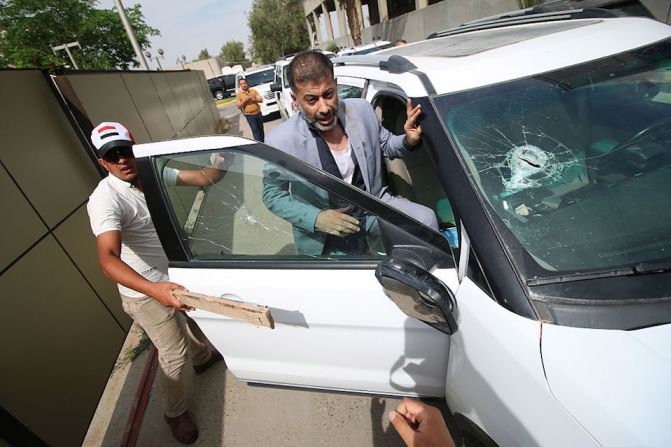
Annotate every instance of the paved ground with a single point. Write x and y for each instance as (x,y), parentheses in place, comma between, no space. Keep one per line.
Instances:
(231,413)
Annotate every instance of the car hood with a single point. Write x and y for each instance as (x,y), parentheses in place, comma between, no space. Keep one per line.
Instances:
(615,383)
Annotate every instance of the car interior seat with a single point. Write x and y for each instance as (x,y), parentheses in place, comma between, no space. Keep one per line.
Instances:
(413,176)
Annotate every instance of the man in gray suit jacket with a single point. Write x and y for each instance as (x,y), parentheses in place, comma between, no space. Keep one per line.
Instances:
(344,138)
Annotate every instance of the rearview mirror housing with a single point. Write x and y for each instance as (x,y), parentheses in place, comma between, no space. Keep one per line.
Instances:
(275,88)
(418,293)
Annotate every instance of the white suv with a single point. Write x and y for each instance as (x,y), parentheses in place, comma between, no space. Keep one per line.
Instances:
(260,79)
(282,89)
(547,146)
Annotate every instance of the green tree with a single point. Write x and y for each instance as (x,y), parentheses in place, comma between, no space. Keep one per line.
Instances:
(31,27)
(232,53)
(278,28)
(204,54)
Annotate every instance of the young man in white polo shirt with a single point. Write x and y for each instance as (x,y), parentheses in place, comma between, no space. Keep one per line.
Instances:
(130,253)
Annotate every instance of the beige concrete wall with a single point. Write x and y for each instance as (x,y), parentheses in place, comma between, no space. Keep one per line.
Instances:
(61,326)
(210,67)
(155,106)
(660,9)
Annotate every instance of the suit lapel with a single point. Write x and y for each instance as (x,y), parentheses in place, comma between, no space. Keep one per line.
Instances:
(308,147)
(356,139)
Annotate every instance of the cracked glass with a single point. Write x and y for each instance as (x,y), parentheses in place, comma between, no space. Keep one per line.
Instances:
(574,165)
(250,208)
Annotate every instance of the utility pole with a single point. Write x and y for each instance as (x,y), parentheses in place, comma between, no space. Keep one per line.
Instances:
(66,47)
(131,34)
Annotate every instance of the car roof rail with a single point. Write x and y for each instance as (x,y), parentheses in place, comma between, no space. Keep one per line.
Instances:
(366,59)
(390,63)
(524,16)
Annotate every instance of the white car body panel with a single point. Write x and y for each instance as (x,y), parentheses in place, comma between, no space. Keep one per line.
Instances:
(616,383)
(354,82)
(188,145)
(495,376)
(284,99)
(269,104)
(334,329)
(522,59)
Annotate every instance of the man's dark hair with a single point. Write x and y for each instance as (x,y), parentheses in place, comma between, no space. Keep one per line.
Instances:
(309,66)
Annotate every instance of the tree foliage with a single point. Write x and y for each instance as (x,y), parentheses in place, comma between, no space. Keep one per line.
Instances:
(278,28)
(31,27)
(204,54)
(233,53)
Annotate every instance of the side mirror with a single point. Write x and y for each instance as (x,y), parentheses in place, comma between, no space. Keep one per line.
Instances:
(275,88)
(418,293)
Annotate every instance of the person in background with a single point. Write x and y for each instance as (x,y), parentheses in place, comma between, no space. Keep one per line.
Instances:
(131,254)
(399,42)
(420,425)
(248,101)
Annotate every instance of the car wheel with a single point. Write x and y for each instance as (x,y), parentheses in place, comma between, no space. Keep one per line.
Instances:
(219,94)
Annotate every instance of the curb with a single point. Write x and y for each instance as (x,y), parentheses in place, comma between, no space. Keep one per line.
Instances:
(114,407)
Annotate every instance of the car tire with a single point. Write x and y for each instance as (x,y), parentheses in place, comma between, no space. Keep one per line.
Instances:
(219,94)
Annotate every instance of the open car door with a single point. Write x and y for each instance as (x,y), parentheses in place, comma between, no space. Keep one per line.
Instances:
(335,327)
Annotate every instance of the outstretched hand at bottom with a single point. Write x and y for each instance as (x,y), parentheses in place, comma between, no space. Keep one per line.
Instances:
(420,425)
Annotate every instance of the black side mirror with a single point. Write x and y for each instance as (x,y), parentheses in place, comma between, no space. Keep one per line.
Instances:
(275,88)
(418,293)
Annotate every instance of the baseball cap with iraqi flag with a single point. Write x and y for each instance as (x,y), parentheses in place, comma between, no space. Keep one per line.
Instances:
(109,135)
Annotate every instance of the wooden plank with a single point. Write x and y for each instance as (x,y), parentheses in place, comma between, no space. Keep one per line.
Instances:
(251,313)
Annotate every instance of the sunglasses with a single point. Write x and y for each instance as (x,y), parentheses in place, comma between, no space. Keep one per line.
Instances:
(116,154)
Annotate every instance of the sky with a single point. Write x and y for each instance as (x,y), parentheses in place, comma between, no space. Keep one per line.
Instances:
(188,26)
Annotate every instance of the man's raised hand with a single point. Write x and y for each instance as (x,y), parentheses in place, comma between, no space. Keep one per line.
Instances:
(413,131)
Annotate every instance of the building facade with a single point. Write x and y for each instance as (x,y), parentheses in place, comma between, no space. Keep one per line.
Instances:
(414,20)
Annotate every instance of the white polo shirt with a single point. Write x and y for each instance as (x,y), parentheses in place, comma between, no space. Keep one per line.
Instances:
(117,206)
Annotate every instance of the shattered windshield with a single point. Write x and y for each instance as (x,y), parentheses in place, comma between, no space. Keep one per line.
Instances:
(574,165)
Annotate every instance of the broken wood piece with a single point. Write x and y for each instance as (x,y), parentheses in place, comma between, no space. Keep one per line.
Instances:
(251,313)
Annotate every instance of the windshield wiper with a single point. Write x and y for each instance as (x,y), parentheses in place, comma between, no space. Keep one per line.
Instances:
(570,277)
(642,268)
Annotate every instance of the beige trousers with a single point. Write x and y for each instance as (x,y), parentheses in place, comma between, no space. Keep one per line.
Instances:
(169,330)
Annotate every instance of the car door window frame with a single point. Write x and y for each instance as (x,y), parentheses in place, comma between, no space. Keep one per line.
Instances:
(397,228)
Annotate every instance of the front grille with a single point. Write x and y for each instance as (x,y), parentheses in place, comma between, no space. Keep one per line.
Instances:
(269,95)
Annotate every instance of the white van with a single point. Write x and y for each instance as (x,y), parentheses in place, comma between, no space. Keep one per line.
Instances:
(260,79)
(282,90)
